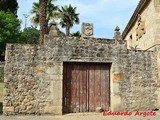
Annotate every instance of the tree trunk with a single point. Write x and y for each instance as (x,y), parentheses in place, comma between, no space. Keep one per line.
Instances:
(67,29)
(43,21)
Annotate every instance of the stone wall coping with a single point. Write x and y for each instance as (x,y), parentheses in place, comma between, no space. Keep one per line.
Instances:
(92,39)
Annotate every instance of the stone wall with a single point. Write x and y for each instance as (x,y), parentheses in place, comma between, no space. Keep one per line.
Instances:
(150,40)
(34,74)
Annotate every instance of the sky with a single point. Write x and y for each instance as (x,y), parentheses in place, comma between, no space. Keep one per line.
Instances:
(104,14)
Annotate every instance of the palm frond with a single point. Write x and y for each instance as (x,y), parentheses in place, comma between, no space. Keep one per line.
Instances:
(68,16)
(35,20)
(51,10)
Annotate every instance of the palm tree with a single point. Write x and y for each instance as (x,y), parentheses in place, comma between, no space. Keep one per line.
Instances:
(76,34)
(68,17)
(35,10)
(42,20)
(51,12)
(44,11)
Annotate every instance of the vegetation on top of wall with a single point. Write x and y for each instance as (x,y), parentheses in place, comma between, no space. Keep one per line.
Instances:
(9,29)
(9,5)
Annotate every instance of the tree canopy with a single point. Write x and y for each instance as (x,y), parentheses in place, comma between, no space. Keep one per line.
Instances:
(51,12)
(9,29)
(9,5)
(30,35)
(68,17)
(43,11)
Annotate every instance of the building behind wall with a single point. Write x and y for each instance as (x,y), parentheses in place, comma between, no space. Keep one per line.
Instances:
(143,30)
(121,75)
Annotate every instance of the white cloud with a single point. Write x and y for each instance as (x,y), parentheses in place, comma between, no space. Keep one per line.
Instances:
(105,14)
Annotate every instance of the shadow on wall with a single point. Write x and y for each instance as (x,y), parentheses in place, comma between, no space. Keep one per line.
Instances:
(1,108)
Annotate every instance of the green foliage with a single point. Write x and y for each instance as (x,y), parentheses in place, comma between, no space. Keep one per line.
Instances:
(9,5)
(35,11)
(52,12)
(30,35)
(68,17)
(60,33)
(76,34)
(9,29)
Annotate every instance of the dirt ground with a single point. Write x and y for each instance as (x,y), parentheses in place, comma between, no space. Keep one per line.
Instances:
(80,116)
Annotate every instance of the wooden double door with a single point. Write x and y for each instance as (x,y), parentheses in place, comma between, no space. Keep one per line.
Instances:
(86,86)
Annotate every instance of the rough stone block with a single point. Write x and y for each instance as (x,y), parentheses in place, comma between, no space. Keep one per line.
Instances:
(118,77)
(116,103)
(57,102)
(56,77)
(56,110)
(8,109)
(54,70)
(50,70)
(115,87)
(56,90)
(40,69)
